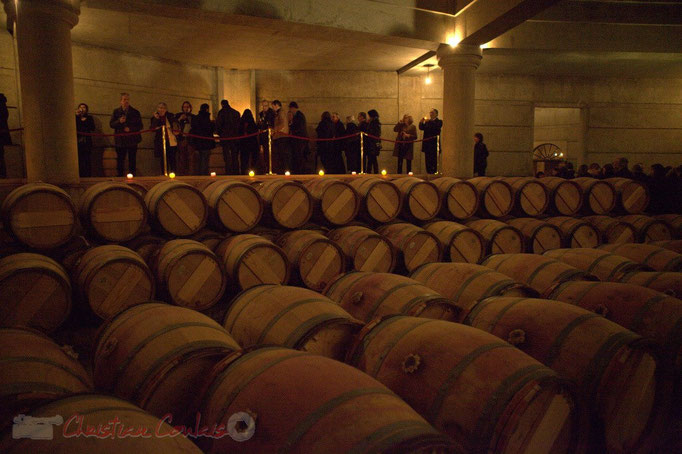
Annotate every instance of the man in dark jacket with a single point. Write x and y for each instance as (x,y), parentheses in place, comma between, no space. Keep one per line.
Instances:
(480,155)
(373,145)
(126,119)
(202,125)
(227,125)
(352,145)
(431,127)
(299,147)
(5,137)
(84,124)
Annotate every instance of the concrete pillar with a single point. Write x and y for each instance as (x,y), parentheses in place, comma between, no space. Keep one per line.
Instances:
(459,65)
(43,33)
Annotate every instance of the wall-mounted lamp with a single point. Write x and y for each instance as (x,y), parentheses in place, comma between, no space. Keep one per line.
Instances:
(428,67)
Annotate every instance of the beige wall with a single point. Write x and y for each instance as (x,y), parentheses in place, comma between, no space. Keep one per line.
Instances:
(561,126)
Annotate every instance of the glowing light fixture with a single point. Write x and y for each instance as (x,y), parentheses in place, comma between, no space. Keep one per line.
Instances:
(130,176)
(410,173)
(251,173)
(321,173)
(383,172)
(353,173)
(213,174)
(287,173)
(453,40)
(428,80)
(171,175)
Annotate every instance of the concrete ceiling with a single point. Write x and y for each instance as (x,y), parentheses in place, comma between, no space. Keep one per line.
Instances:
(573,37)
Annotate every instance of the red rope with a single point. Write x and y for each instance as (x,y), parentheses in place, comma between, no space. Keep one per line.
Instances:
(121,134)
(185,134)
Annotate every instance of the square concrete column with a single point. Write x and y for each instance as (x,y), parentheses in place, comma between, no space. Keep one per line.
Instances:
(43,32)
(459,65)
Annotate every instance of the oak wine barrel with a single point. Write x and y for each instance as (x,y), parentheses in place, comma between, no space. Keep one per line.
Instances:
(613,230)
(134,430)
(459,198)
(500,238)
(147,246)
(113,212)
(370,295)
(599,196)
(153,353)
(39,215)
(288,204)
(421,199)
(654,257)
(565,196)
(496,198)
(671,245)
(365,249)
(335,201)
(648,228)
(35,292)
(614,368)
(632,195)
(577,233)
(315,259)
(415,245)
(35,369)
(208,238)
(110,279)
(381,199)
(674,221)
(291,317)
(536,271)
(109,163)
(531,197)
(313,405)
(540,236)
(467,283)
(605,265)
(251,260)
(437,367)
(70,253)
(661,281)
(176,208)
(189,274)
(233,205)
(460,243)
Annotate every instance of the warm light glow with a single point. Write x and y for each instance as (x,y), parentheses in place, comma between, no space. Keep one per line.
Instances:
(213,174)
(353,173)
(410,173)
(321,172)
(453,40)
(287,173)
(486,45)
(251,173)
(171,175)
(561,155)
(427,81)
(130,175)
(383,172)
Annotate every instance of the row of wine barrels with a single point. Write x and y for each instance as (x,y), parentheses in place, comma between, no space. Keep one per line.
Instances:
(209,238)
(603,264)
(436,367)
(147,246)
(459,198)
(414,245)
(288,204)
(632,195)
(176,209)
(35,369)
(615,370)
(577,233)
(500,238)
(613,230)
(421,199)
(648,228)
(39,216)
(365,249)
(460,243)
(531,197)
(112,278)
(649,313)
(35,292)
(673,220)
(496,198)
(251,260)
(150,352)
(367,296)
(233,205)
(539,235)
(381,199)
(70,253)
(599,196)
(466,283)
(303,403)
(113,212)
(539,272)
(189,274)
(335,201)
(315,259)
(661,281)
(291,317)
(565,196)
(671,245)
(654,257)
(97,411)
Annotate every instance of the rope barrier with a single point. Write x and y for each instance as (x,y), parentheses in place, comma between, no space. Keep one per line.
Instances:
(120,134)
(322,139)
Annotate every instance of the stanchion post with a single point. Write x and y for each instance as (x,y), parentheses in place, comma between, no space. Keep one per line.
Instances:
(362,152)
(440,158)
(270,151)
(165,162)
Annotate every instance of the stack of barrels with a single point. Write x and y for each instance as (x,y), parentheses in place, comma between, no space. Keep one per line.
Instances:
(347,313)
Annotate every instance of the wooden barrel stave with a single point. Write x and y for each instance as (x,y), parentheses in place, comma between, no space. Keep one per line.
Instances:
(566,196)
(315,259)
(540,236)
(661,281)
(654,257)
(381,199)
(251,260)
(577,233)
(365,249)
(460,243)
(531,197)
(335,201)
(613,230)
(648,228)
(288,204)
(632,195)
(415,245)
(459,198)
(421,199)
(176,209)
(500,238)
(113,212)
(496,197)
(603,264)
(233,205)
(674,221)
